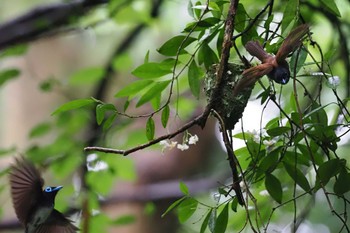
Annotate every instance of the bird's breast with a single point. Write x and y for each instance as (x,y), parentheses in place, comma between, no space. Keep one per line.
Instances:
(38,217)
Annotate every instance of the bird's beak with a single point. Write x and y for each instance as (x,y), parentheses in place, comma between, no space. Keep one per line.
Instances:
(57,188)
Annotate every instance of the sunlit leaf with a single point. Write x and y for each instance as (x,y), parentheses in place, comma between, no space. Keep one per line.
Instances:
(133,88)
(183,188)
(14,51)
(186,209)
(222,220)
(151,70)
(124,220)
(87,76)
(165,116)
(331,6)
(75,104)
(172,46)
(108,123)
(173,205)
(101,110)
(6,75)
(40,130)
(152,92)
(150,128)
(205,222)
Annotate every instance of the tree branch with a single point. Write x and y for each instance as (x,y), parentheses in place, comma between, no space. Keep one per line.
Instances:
(41,20)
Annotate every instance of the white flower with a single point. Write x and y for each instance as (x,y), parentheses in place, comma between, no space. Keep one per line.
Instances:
(182,147)
(167,144)
(193,140)
(229,72)
(269,143)
(333,82)
(164,143)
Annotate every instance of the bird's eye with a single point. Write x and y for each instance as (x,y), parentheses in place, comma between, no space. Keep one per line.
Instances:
(48,189)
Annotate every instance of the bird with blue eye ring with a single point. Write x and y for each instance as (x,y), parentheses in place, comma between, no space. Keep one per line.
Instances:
(34,206)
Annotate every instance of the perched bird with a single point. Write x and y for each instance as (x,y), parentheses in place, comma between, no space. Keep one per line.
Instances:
(34,206)
(275,67)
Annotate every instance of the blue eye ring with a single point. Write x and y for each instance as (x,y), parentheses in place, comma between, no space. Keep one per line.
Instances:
(48,189)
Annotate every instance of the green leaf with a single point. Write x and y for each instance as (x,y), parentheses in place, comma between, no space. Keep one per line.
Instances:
(6,75)
(124,220)
(101,110)
(146,59)
(186,209)
(122,62)
(150,128)
(14,51)
(222,220)
(165,116)
(342,184)
(100,114)
(289,14)
(329,169)
(202,25)
(274,187)
(173,205)
(205,222)
(74,104)
(297,176)
(194,74)
(302,55)
(234,204)
(274,132)
(183,188)
(133,88)
(270,160)
(319,115)
(241,18)
(101,181)
(207,56)
(149,209)
(40,130)
(108,123)
(172,46)
(331,6)
(151,70)
(212,220)
(87,76)
(152,92)
(251,34)
(189,9)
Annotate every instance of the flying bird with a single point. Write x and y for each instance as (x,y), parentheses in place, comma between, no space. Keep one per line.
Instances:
(34,206)
(275,67)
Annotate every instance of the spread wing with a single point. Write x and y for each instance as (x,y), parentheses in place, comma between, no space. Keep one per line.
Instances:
(255,49)
(57,223)
(251,75)
(26,187)
(257,71)
(292,42)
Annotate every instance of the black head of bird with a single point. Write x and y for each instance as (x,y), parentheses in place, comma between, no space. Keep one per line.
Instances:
(275,67)
(34,206)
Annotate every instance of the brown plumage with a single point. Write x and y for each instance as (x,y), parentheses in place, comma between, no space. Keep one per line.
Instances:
(275,67)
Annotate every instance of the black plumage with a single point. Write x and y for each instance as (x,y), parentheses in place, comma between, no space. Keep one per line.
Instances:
(34,206)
